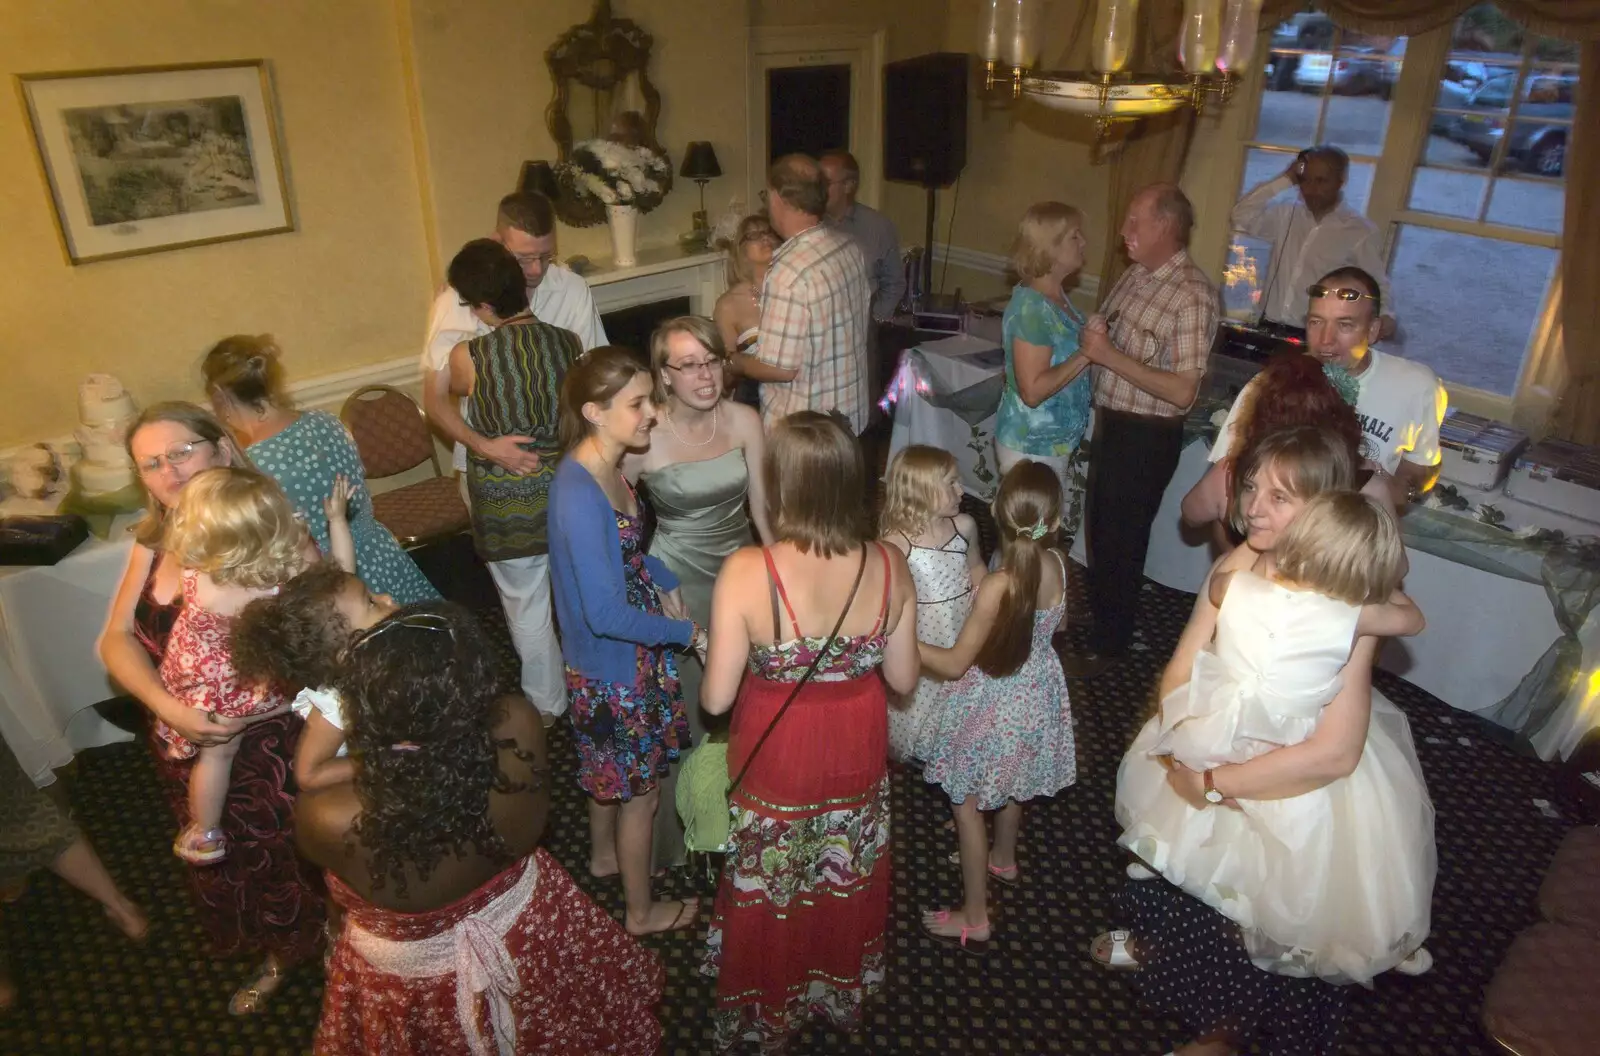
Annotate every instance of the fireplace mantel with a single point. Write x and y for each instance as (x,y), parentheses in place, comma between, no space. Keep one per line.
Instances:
(660,274)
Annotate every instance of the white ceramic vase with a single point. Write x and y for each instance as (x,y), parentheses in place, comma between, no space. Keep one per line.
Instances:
(624,234)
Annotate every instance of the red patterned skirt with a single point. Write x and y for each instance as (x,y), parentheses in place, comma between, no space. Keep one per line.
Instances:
(798,928)
(526,964)
(262,898)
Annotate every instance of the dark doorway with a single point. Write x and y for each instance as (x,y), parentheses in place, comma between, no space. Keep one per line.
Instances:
(632,327)
(808,110)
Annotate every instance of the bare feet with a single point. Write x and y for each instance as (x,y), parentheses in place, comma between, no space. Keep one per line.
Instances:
(252,996)
(665,916)
(604,868)
(130,920)
(1115,949)
(955,924)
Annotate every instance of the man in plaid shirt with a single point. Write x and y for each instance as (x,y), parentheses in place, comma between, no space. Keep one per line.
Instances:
(1149,350)
(815,305)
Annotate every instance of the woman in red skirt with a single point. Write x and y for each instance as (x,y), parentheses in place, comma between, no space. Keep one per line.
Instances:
(460,937)
(801,911)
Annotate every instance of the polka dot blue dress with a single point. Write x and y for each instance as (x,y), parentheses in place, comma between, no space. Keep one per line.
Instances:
(304,459)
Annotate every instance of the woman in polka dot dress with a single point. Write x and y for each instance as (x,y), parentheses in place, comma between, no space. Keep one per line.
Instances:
(304,451)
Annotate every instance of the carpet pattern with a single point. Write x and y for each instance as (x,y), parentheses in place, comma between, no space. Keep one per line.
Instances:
(84,989)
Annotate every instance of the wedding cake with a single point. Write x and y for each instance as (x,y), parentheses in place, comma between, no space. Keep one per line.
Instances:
(105,410)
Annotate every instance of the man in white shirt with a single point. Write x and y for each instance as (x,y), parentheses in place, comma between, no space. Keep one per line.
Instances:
(1311,236)
(525,225)
(1398,402)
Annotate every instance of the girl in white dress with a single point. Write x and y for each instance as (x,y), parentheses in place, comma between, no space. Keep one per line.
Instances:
(1335,883)
(1004,734)
(921,518)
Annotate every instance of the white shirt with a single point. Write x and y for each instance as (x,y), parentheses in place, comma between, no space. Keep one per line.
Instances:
(561,299)
(1399,404)
(1305,249)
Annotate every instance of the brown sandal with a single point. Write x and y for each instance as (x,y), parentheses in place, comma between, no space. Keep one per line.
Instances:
(252,997)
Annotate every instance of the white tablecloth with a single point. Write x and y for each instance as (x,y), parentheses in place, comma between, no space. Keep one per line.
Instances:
(933,373)
(50,676)
(1484,631)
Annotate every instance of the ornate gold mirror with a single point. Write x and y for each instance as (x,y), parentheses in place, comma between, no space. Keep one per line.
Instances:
(600,72)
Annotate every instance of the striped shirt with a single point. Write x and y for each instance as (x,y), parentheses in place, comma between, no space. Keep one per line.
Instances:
(516,391)
(815,320)
(1165,319)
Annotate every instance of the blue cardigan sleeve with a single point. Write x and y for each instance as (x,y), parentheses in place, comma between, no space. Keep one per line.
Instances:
(584,528)
(660,574)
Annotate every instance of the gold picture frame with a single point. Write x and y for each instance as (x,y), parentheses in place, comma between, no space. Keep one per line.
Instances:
(151,158)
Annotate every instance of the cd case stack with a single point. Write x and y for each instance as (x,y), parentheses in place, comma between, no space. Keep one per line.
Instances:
(1559,475)
(1478,451)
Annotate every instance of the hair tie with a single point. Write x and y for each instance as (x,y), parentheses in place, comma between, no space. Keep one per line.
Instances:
(405,746)
(1034,531)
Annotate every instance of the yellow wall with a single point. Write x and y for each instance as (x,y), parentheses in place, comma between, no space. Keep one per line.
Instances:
(483,87)
(341,290)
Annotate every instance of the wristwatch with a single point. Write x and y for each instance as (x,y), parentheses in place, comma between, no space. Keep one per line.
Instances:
(1212,795)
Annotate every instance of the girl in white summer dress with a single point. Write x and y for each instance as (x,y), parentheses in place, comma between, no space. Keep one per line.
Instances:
(1335,883)
(922,497)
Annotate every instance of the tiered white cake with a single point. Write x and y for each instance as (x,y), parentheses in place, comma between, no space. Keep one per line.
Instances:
(105,410)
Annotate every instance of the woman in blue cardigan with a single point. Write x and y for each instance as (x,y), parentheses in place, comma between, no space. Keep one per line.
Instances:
(621,618)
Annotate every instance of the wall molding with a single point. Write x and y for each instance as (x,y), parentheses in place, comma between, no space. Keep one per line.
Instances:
(999,265)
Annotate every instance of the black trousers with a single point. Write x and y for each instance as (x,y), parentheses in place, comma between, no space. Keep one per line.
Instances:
(1132,463)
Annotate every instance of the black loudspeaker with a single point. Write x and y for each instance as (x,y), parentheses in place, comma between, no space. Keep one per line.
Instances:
(925,119)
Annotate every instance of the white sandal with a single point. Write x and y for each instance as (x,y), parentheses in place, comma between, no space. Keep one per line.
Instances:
(1419,963)
(1119,959)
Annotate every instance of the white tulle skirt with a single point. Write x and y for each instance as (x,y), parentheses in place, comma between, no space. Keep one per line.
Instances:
(1336,883)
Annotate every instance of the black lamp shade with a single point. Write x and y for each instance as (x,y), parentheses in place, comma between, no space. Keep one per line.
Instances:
(700,162)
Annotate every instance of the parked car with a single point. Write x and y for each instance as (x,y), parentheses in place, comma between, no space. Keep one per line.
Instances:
(1457,82)
(1356,71)
(1535,145)
(1305,31)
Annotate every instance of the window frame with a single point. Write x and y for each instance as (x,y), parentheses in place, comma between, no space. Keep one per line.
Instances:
(1216,170)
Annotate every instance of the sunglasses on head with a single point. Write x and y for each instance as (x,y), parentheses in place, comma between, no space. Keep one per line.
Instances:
(1316,290)
(421,621)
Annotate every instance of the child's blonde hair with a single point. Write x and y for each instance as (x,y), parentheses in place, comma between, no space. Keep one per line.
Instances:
(1027,512)
(914,489)
(1344,545)
(236,526)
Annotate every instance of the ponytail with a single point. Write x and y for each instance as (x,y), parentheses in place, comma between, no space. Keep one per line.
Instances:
(1027,511)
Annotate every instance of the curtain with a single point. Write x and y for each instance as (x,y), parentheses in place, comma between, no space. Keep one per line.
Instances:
(1577,411)
(1155,148)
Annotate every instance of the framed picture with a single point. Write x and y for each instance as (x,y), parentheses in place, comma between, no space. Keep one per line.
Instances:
(160,157)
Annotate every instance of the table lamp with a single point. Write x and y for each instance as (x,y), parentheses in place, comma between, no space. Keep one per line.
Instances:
(538,176)
(700,165)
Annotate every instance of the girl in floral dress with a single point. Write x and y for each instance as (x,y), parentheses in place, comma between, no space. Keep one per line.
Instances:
(237,539)
(802,907)
(1005,736)
(621,617)
(922,519)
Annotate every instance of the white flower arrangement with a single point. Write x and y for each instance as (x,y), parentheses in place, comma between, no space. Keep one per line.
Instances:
(615,173)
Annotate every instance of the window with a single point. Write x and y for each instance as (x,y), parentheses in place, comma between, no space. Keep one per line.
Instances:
(1457,140)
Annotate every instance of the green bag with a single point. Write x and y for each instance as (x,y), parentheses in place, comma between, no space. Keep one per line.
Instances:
(703,788)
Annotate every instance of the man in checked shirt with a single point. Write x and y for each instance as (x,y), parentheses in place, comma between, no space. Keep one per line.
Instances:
(1149,351)
(815,305)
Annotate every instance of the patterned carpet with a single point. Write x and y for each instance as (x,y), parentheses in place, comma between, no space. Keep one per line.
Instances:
(86,990)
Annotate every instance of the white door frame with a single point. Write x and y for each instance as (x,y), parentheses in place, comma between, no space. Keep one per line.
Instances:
(773,47)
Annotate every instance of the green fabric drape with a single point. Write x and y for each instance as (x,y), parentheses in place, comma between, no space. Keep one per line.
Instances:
(1577,415)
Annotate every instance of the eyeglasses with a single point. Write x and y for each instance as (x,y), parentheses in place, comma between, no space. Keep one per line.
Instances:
(707,366)
(1316,290)
(175,455)
(544,260)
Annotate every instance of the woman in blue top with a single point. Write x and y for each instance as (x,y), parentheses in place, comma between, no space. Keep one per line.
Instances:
(1044,409)
(621,616)
(304,451)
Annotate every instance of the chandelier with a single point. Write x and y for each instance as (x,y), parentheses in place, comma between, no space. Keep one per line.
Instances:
(1214,49)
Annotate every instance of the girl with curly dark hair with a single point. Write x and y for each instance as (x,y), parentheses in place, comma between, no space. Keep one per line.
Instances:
(458,929)
(296,639)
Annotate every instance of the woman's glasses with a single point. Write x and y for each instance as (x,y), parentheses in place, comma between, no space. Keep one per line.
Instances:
(175,455)
(1316,290)
(704,366)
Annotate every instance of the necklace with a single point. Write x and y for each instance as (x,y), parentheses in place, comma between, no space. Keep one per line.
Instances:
(691,443)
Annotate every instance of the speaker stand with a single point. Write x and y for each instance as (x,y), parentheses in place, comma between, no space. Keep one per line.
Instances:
(927,244)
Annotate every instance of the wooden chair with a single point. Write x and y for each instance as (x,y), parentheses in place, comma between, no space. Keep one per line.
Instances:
(392,435)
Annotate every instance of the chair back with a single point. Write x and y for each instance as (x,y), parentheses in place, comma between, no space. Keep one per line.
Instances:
(390,430)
